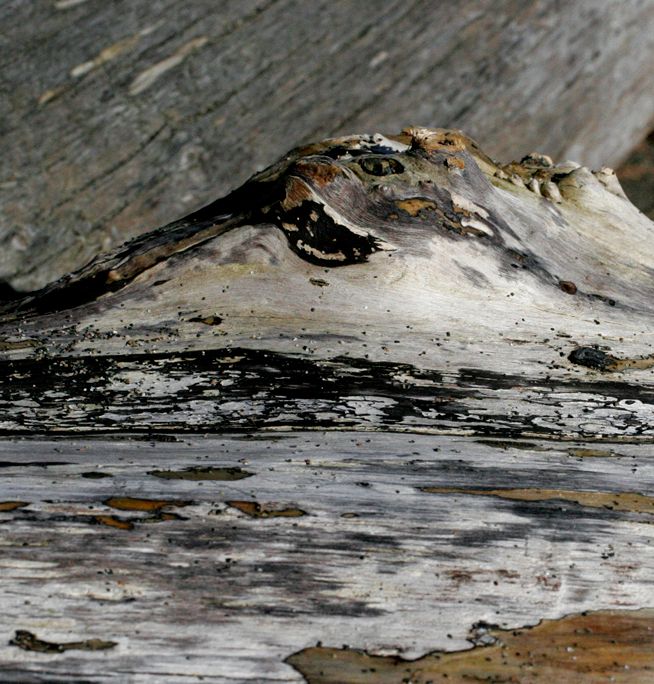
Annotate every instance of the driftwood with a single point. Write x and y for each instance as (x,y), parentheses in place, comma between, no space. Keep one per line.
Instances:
(382,414)
(117,116)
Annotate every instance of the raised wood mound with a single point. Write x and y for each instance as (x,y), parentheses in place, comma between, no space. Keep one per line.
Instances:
(382,414)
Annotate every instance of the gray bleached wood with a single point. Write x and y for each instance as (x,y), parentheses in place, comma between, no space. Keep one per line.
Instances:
(387,394)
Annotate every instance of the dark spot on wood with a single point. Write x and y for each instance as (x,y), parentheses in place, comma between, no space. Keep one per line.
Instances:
(207,320)
(340,151)
(568,287)
(380,166)
(29,642)
(257,510)
(318,282)
(95,475)
(591,357)
(203,473)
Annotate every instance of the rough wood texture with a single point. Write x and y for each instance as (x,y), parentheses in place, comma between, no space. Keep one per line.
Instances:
(200,588)
(389,394)
(117,116)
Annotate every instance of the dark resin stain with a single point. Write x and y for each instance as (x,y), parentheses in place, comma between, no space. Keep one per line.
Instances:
(29,642)
(203,473)
(609,645)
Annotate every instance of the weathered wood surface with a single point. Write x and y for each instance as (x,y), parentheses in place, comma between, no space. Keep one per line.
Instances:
(376,562)
(388,394)
(117,116)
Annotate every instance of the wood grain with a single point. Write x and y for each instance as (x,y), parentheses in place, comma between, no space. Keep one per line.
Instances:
(376,563)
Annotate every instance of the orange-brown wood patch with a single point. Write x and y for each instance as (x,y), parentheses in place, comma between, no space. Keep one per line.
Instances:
(603,646)
(257,510)
(127,503)
(6,506)
(619,501)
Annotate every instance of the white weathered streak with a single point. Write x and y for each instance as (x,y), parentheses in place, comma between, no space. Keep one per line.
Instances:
(148,76)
